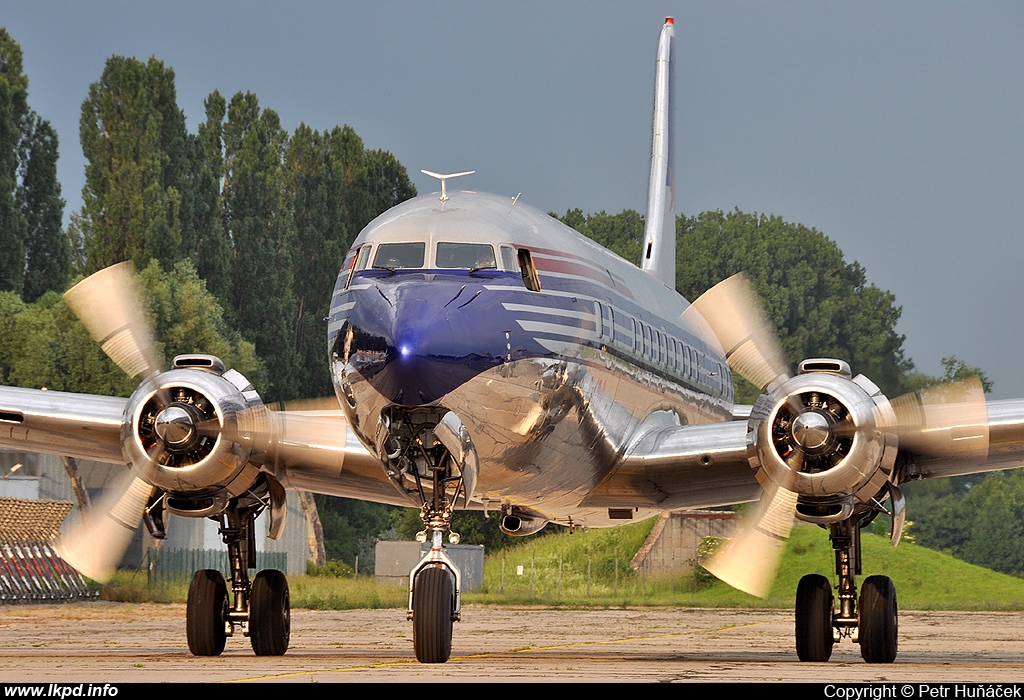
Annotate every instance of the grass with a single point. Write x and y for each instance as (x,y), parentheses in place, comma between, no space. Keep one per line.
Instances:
(592,569)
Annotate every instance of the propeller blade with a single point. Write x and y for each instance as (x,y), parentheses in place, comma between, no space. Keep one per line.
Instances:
(95,548)
(109,305)
(750,559)
(734,314)
(948,420)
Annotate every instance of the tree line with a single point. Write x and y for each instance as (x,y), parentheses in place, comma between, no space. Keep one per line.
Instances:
(262,217)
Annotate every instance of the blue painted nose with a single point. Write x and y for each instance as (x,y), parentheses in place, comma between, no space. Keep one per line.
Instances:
(414,349)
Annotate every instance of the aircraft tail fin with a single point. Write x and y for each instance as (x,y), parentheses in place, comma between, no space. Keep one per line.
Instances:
(658,257)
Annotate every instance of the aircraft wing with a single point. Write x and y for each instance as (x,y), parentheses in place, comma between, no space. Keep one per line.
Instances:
(1005,426)
(57,422)
(689,466)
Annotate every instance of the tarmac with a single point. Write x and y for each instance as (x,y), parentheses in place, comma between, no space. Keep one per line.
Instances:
(103,642)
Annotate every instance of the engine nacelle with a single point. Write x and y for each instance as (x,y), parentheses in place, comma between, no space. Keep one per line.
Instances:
(182,434)
(818,434)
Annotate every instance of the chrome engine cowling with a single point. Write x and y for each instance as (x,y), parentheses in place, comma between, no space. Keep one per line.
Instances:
(819,435)
(185,432)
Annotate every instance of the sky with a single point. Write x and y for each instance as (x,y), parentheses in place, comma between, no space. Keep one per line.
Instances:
(894,128)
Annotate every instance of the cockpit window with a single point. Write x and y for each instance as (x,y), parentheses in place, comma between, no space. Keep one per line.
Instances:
(508,258)
(393,256)
(474,256)
(363,258)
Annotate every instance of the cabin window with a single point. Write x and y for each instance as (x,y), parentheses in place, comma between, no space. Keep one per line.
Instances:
(395,256)
(530,277)
(470,256)
(661,347)
(508,258)
(599,319)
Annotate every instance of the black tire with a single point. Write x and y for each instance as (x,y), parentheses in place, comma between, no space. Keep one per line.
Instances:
(206,613)
(879,624)
(270,617)
(432,615)
(814,637)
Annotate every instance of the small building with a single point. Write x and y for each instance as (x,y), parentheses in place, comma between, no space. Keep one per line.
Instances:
(671,548)
(396,559)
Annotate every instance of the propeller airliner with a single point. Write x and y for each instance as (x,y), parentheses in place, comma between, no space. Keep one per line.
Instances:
(484,356)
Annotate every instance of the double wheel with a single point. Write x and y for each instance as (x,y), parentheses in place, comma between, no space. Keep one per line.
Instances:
(432,606)
(269,613)
(877,624)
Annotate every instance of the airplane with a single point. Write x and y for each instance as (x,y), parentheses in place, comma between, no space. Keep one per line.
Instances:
(484,356)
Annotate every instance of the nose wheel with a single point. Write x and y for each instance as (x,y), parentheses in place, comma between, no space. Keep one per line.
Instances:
(432,607)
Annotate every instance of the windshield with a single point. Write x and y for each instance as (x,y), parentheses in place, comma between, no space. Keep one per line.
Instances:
(469,255)
(393,256)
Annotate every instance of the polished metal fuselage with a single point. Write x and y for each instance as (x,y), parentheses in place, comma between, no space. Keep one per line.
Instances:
(552,385)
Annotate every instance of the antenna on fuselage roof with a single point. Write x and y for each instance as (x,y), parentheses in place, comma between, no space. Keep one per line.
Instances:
(442,178)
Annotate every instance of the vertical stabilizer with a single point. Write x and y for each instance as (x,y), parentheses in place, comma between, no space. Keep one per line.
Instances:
(658,257)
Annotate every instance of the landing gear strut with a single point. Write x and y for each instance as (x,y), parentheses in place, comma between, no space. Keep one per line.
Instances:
(435,584)
(260,608)
(872,622)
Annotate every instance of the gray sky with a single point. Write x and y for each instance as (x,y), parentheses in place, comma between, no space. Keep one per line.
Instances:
(895,128)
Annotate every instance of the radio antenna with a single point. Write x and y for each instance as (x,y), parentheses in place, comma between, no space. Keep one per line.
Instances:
(442,178)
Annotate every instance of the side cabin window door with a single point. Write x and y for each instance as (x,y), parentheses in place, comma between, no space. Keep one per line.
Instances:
(529,271)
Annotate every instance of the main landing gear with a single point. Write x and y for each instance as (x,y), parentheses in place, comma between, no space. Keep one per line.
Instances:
(260,609)
(873,623)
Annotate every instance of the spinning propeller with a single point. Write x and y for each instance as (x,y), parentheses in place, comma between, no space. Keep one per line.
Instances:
(821,437)
(193,433)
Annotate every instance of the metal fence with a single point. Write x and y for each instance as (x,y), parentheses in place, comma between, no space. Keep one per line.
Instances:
(164,565)
(31,572)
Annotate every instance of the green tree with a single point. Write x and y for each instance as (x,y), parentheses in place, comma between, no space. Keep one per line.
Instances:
(954,370)
(42,344)
(315,196)
(134,141)
(821,305)
(13,114)
(620,233)
(48,252)
(262,304)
